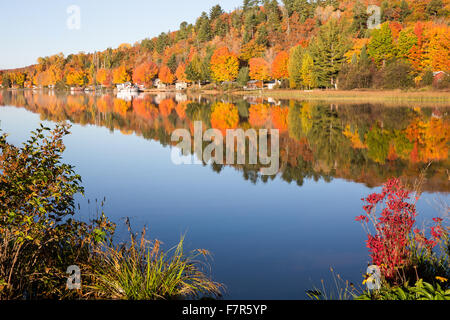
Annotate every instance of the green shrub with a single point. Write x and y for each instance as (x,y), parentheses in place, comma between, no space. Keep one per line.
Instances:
(420,291)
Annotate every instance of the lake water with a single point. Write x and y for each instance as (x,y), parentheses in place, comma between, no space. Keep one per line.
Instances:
(270,237)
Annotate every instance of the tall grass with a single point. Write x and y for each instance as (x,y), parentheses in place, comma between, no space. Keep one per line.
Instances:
(140,270)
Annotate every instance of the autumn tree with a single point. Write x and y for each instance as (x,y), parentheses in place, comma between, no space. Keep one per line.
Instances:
(121,75)
(381,46)
(104,77)
(280,66)
(18,78)
(438,47)
(76,78)
(145,73)
(165,75)
(181,73)
(224,65)
(308,73)
(259,69)
(251,50)
(295,66)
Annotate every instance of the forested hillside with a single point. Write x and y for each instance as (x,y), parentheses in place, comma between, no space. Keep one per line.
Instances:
(304,44)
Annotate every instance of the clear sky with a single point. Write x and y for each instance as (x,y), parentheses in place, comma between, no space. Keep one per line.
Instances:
(31,29)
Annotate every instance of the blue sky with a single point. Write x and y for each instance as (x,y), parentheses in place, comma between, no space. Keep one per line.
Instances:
(31,29)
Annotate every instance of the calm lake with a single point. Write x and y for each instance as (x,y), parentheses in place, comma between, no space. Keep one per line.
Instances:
(270,237)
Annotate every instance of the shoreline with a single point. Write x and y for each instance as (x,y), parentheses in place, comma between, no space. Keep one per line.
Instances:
(339,96)
(353,95)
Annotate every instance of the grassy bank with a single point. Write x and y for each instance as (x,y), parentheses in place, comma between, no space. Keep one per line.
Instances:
(396,96)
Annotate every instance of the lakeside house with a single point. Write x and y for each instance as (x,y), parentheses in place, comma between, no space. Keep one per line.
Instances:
(272,84)
(181,85)
(438,76)
(159,84)
(252,85)
(256,84)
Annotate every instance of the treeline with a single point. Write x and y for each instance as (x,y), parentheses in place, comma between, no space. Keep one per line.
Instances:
(303,44)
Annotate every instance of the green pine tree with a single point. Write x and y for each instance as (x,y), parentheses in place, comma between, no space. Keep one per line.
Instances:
(327,50)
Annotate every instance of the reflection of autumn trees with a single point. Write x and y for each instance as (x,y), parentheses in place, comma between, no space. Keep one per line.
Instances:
(224,116)
(430,138)
(259,115)
(363,143)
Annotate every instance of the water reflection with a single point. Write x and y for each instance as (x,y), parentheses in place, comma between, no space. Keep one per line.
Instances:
(363,143)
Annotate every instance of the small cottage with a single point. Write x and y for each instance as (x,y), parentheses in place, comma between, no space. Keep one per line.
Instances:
(438,76)
(159,84)
(181,85)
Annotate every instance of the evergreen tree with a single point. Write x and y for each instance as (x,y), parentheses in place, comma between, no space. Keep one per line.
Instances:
(434,7)
(250,5)
(221,28)
(363,57)
(215,12)
(172,63)
(273,14)
(360,18)
(262,35)
(404,10)
(327,50)
(203,26)
(243,76)
(162,42)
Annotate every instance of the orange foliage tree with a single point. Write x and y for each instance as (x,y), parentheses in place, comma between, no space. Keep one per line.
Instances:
(280,66)
(438,49)
(104,77)
(165,75)
(224,65)
(181,73)
(145,73)
(76,77)
(259,69)
(121,75)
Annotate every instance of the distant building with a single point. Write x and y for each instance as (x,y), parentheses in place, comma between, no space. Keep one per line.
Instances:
(181,85)
(272,84)
(159,84)
(438,76)
(252,85)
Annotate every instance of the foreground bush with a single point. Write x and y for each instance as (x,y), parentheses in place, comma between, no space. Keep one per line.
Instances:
(39,239)
(403,253)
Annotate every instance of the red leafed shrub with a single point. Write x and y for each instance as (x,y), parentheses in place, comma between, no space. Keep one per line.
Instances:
(389,220)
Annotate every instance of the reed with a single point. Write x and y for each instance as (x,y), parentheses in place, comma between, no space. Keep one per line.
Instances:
(141,270)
